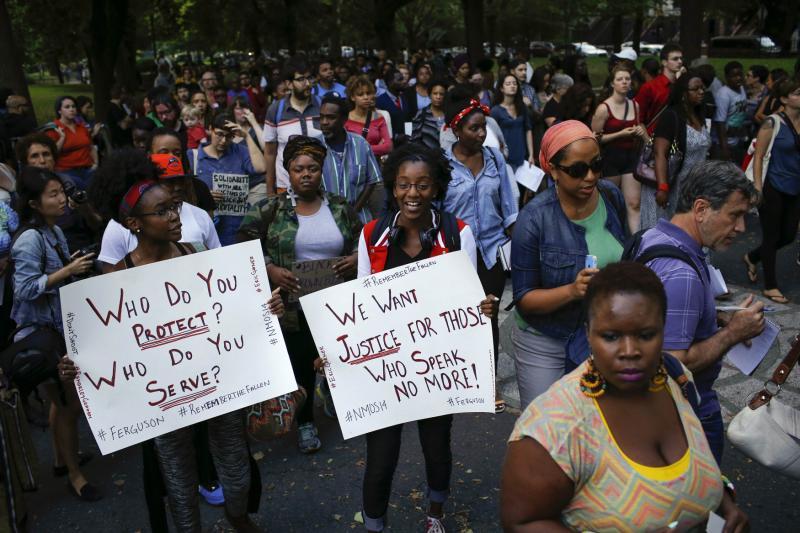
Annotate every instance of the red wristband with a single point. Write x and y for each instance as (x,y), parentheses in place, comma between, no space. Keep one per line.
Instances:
(663,187)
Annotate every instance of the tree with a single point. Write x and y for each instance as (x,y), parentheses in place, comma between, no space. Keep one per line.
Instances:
(385,12)
(473,25)
(12,74)
(107,25)
(691,28)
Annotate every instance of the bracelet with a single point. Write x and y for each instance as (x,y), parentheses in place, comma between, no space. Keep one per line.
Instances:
(729,487)
(663,187)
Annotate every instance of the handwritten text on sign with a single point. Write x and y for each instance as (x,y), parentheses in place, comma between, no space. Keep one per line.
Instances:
(405,344)
(314,275)
(169,344)
(234,188)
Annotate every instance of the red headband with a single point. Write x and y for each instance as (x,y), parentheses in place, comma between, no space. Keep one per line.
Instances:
(473,104)
(133,196)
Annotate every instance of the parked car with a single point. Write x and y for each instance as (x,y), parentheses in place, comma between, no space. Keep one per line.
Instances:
(645,47)
(589,50)
(499,49)
(743,46)
(348,52)
(541,48)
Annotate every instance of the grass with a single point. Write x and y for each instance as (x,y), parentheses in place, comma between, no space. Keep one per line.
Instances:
(44,96)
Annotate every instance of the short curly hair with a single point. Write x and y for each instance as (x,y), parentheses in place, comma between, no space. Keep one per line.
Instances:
(118,172)
(23,146)
(625,277)
(414,152)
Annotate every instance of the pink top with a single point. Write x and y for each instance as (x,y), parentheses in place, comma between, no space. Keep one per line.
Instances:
(377,136)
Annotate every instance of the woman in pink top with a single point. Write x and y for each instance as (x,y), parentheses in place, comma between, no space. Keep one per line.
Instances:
(364,120)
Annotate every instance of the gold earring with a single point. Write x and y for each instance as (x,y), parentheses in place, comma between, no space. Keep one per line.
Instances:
(593,384)
(659,381)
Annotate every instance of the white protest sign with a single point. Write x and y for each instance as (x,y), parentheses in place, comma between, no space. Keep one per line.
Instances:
(405,344)
(235,188)
(166,345)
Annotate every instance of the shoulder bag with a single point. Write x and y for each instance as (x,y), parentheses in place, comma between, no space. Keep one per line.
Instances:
(768,430)
(749,158)
(274,418)
(645,171)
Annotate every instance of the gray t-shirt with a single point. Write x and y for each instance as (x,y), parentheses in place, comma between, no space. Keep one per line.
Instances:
(318,236)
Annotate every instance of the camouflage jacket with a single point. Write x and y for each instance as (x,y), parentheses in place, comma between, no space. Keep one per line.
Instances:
(274,222)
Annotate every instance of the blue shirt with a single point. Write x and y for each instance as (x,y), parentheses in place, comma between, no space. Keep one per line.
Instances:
(783,172)
(514,131)
(691,309)
(235,160)
(35,257)
(348,174)
(319,92)
(485,202)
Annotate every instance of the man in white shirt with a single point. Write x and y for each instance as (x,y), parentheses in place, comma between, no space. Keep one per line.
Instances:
(196,225)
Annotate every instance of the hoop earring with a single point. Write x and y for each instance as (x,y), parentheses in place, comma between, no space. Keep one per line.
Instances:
(659,381)
(593,384)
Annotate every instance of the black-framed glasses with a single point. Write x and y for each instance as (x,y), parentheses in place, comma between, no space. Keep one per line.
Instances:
(581,168)
(304,79)
(165,212)
(420,187)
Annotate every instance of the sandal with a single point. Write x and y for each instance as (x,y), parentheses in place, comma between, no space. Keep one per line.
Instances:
(499,406)
(777,298)
(752,270)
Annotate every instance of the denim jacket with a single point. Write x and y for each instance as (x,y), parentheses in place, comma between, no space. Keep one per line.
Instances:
(35,257)
(548,250)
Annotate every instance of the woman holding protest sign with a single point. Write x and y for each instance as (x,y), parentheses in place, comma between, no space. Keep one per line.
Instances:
(560,240)
(412,231)
(149,210)
(619,426)
(301,225)
(42,264)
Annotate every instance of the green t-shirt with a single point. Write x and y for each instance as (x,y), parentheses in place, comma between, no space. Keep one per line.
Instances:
(599,240)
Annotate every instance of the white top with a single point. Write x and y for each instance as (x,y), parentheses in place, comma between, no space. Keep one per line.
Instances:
(318,236)
(196,226)
(467,245)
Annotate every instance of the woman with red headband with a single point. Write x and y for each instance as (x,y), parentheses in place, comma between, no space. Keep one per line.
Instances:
(480,194)
(149,210)
(561,239)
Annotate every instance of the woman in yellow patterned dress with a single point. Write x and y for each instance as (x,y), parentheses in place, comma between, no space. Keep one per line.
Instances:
(615,445)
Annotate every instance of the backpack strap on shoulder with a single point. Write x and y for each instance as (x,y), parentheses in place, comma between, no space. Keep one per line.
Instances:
(382,224)
(449,226)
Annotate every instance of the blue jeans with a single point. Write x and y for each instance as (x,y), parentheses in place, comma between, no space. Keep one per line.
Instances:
(715,433)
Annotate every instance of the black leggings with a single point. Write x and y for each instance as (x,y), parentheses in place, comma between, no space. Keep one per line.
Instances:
(383,451)
(302,352)
(779,215)
(494,282)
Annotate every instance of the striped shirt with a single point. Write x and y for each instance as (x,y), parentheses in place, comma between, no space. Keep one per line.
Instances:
(348,173)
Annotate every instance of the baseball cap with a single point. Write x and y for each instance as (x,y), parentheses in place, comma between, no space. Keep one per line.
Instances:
(627,53)
(169,166)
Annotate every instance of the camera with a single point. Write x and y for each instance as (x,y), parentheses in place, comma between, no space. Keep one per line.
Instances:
(91,249)
(73,193)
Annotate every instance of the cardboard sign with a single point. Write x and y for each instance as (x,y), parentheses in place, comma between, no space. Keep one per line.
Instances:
(314,276)
(167,345)
(235,188)
(405,344)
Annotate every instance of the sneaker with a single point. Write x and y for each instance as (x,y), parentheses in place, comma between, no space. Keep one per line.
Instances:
(324,395)
(212,496)
(308,438)
(434,525)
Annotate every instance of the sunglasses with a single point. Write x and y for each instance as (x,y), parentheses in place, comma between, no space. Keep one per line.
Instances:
(581,168)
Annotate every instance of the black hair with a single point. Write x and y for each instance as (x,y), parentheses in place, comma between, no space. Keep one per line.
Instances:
(517,62)
(161,132)
(778,74)
(441,82)
(241,101)
(713,181)
(537,80)
(519,103)
(572,102)
(707,73)
(626,277)
(181,85)
(730,66)
(338,101)
(760,72)
(24,145)
(388,76)
(82,101)
(787,87)
(677,96)
(219,120)
(321,62)
(143,123)
(651,66)
(115,175)
(457,100)
(414,152)
(60,101)
(31,183)
(164,98)
(295,65)
(667,49)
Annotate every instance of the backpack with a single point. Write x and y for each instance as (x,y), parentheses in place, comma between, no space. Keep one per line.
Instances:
(631,252)
(448,224)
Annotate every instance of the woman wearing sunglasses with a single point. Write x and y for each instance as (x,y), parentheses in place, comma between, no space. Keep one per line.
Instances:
(561,238)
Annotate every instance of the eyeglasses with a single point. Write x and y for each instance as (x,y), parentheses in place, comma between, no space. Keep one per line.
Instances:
(165,212)
(581,168)
(303,79)
(420,187)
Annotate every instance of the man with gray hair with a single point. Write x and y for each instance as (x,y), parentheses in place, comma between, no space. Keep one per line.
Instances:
(712,203)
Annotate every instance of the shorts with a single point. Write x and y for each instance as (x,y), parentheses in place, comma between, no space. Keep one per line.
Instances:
(619,161)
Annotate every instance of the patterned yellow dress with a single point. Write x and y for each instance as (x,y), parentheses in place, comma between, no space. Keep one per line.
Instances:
(613,493)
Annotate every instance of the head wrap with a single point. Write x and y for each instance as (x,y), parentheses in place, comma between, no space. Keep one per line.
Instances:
(560,135)
(301,145)
(473,105)
(133,196)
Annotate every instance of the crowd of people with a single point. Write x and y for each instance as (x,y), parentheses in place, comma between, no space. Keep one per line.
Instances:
(617,343)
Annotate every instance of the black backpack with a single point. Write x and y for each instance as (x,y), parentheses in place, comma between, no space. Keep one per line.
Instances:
(631,252)
(447,223)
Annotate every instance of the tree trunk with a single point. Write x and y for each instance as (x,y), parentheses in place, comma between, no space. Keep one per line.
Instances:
(638,26)
(12,75)
(384,30)
(335,51)
(691,29)
(616,31)
(290,27)
(251,27)
(473,25)
(106,28)
(126,74)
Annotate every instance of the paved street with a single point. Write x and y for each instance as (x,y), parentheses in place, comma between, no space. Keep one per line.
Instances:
(322,492)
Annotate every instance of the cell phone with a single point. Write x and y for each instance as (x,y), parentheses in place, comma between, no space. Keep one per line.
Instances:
(591,261)
(86,250)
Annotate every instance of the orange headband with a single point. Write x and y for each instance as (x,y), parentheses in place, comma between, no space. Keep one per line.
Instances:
(561,135)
